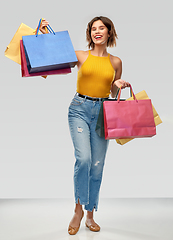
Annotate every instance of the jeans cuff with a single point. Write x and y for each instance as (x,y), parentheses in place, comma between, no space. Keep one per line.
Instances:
(88,208)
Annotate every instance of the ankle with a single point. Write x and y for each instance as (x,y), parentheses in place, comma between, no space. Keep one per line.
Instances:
(89,218)
(78,209)
(89,215)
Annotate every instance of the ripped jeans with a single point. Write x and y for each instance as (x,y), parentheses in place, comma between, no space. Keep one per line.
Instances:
(90,151)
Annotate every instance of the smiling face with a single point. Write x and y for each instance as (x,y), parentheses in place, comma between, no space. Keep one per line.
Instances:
(99,33)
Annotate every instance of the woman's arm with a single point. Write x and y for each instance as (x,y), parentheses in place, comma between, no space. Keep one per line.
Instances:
(117,64)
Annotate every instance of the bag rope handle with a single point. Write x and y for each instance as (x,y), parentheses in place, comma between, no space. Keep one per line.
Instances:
(48,28)
(131,91)
(118,93)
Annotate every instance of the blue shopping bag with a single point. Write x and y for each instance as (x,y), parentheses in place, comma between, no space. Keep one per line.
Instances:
(47,52)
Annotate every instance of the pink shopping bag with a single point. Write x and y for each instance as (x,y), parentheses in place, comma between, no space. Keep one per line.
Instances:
(128,119)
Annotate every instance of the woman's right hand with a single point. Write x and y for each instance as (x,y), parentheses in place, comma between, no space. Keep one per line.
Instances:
(43,26)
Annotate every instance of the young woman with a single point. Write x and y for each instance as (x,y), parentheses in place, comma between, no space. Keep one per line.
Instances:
(99,75)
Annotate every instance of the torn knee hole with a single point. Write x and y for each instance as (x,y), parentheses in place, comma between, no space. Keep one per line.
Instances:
(80,130)
(96,163)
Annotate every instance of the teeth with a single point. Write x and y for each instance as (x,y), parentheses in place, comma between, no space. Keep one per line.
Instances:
(98,37)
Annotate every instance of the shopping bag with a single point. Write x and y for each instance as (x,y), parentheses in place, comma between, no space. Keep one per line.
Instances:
(100,121)
(47,52)
(100,130)
(24,69)
(157,119)
(13,49)
(128,119)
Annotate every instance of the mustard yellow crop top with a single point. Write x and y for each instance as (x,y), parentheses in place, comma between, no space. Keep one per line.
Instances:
(95,76)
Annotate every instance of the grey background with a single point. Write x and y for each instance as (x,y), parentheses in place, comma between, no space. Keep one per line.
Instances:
(36,152)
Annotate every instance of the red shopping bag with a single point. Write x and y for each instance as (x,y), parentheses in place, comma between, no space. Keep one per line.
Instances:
(24,68)
(126,119)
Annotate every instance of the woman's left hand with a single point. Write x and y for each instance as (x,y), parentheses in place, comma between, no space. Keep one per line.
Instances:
(121,83)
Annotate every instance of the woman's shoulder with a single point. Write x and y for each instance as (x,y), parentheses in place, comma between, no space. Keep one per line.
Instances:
(81,56)
(116,61)
(81,53)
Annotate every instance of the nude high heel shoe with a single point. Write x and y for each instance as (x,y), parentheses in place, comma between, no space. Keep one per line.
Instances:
(74,230)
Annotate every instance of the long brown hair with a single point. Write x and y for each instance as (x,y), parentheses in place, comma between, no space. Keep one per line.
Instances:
(111,30)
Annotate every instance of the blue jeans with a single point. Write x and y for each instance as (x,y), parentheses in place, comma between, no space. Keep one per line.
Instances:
(90,151)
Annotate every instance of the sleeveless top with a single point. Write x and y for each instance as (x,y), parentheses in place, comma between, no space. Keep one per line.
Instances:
(95,76)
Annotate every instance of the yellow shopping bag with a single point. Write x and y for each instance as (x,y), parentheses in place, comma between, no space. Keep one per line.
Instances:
(13,49)
(157,120)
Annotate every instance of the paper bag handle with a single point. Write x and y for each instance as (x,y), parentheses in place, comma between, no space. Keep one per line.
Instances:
(47,28)
(118,93)
(132,93)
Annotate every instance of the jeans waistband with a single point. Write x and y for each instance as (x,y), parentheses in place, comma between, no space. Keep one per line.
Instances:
(90,98)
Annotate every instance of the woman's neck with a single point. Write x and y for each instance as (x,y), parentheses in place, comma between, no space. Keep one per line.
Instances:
(99,51)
